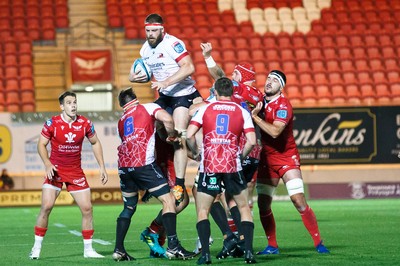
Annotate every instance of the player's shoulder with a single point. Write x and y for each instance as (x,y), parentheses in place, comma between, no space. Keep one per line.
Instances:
(82,119)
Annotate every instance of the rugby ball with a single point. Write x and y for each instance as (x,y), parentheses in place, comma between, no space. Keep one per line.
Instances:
(139,66)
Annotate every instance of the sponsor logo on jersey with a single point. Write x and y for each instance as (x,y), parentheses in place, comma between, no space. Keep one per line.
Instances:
(49,122)
(178,47)
(161,55)
(281,114)
(77,128)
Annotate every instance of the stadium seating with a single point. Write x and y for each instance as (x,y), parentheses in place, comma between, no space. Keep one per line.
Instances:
(21,23)
(328,45)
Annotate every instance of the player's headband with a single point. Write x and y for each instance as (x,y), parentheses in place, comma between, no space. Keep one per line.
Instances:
(153,25)
(278,77)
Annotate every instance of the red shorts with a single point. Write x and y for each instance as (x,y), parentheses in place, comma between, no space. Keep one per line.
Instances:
(74,179)
(276,166)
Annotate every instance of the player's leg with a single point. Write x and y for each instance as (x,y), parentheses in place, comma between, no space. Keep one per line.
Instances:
(130,196)
(295,187)
(204,199)
(265,189)
(247,224)
(181,121)
(174,250)
(83,200)
(49,196)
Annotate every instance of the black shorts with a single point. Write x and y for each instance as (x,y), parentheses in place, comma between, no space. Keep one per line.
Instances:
(174,102)
(250,166)
(133,179)
(214,183)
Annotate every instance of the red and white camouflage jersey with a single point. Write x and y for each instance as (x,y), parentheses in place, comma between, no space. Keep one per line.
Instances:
(66,139)
(136,130)
(163,62)
(223,123)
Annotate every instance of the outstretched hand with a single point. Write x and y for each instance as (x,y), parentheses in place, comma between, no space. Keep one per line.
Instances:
(206,48)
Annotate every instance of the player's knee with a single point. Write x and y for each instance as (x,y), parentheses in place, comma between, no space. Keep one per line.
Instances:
(264,189)
(295,186)
(130,204)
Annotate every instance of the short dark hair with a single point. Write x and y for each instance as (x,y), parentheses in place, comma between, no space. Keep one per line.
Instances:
(154,18)
(125,96)
(224,86)
(65,94)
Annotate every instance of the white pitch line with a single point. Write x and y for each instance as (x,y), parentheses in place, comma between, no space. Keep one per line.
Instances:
(60,225)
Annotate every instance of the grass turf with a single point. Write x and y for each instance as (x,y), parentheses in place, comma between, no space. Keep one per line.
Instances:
(357,232)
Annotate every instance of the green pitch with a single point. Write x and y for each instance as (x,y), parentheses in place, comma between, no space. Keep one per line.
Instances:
(357,232)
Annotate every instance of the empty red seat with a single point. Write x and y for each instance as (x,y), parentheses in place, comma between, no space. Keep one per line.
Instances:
(335,78)
(332,65)
(306,79)
(289,66)
(393,77)
(287,54)
(361,65)
(379,77)
(353,93)
(382,93)
(344,53)
(324,95)
(329,53)
(293,93)
(317,65)
(364,77)
(338,93)
(309,95)
(320,78)
(376,65)
(349,78)
(367,93)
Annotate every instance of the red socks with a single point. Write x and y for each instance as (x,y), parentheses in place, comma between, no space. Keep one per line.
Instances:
(87,234)
(155,227)
(40,231)
(268,222)
(310,222)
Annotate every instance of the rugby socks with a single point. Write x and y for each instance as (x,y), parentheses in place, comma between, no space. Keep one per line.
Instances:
(236,218)
(122,229)
(157,224)
(219,215)
(204,232)
(268,223)
(310,222)
(87,239)
(40,232)
(169,220)
(248,232)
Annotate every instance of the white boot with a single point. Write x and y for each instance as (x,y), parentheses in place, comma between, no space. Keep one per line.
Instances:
(91,253)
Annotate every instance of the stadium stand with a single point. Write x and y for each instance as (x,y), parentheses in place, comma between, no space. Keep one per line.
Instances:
(350,43)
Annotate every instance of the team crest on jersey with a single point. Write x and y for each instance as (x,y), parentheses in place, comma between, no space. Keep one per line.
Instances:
(178,47)
(49,122)
(70,137)
(281,114)
(161,55)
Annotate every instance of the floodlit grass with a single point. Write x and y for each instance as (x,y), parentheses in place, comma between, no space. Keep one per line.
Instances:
(358,232)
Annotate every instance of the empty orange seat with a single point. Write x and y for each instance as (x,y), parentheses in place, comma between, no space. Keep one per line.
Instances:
(382,93)
(335,78)
(353,94)
(289,66)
